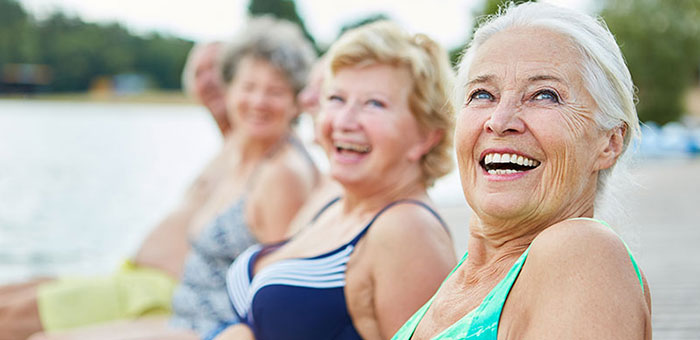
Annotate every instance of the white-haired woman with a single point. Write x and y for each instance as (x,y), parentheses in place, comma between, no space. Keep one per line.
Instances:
(547,111)
(266,177)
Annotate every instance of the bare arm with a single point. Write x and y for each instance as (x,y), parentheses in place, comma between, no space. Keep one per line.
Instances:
(579,283)
(167,245)
(236,332)
(278,194)
(412,254)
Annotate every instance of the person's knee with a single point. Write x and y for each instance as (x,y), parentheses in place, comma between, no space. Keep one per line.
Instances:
(19,317)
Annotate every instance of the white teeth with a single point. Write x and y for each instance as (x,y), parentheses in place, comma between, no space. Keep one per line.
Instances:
(509,158)
(503,172)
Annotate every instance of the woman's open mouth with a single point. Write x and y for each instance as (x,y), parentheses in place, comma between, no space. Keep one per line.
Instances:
(507,163)
(348,152)
(345,147)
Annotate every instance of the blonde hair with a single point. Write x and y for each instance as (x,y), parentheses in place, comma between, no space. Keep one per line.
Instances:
(427,62)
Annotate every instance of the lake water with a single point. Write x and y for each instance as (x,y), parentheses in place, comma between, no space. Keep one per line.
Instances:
(82,183)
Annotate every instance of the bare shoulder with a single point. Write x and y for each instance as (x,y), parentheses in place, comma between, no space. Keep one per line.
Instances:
(288,170)
(281,186)
(408,234)
(408,225)
(582,244)
(580,252)
(579,273)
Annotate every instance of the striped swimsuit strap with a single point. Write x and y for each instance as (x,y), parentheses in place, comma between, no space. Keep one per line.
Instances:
(326,270)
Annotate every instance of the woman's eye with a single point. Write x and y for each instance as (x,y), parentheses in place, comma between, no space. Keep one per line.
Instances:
(546,95)
(375,103)
(335,98)
(480,95)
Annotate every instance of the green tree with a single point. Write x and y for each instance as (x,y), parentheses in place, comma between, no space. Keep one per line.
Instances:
(18,41)
(661,43)
(492,6)
(283,9)
(363,21)
(162,58)
(79,52)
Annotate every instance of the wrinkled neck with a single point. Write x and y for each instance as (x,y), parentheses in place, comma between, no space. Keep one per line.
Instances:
(492,238)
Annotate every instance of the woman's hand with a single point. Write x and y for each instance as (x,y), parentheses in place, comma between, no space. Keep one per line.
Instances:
(236,332)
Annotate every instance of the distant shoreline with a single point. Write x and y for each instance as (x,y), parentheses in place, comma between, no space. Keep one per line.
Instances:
(151,97)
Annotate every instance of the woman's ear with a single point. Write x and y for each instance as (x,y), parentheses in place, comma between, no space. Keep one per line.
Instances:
(612,148)
(430,140)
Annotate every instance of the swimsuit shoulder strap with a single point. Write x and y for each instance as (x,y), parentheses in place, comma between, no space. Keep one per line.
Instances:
(324,208)
(410,201)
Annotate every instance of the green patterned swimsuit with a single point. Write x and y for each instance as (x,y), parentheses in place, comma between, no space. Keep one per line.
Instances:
(482,322)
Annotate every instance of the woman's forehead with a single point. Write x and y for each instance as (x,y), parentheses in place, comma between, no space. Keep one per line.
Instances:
(526,54)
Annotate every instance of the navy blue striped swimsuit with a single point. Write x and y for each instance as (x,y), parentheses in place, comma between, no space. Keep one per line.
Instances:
(297,298)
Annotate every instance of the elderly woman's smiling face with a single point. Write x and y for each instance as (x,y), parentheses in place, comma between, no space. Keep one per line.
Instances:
(260,99)
(367,125)
(527,146)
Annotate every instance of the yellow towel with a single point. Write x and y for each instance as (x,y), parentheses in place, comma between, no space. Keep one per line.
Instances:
(131,292)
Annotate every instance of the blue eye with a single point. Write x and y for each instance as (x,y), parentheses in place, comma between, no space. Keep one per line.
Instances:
(546,95)
(480,95)
(375,103)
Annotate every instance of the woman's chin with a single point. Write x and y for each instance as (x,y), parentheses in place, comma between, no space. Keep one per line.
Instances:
(346,177)
(344,180)
(502,209)
(265,133)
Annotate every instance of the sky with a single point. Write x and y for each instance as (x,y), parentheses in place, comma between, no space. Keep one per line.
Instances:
(447,21)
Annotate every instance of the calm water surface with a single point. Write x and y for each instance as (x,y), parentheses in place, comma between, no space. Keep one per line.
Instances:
(82,183)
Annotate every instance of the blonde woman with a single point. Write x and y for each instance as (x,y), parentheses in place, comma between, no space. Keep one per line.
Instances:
(370,257)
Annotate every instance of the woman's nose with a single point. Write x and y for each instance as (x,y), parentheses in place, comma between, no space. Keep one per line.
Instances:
(345,118)
(505,119)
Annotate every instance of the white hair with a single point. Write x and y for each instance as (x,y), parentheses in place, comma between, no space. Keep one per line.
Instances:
(602,65)
(193,57)
(277,41)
